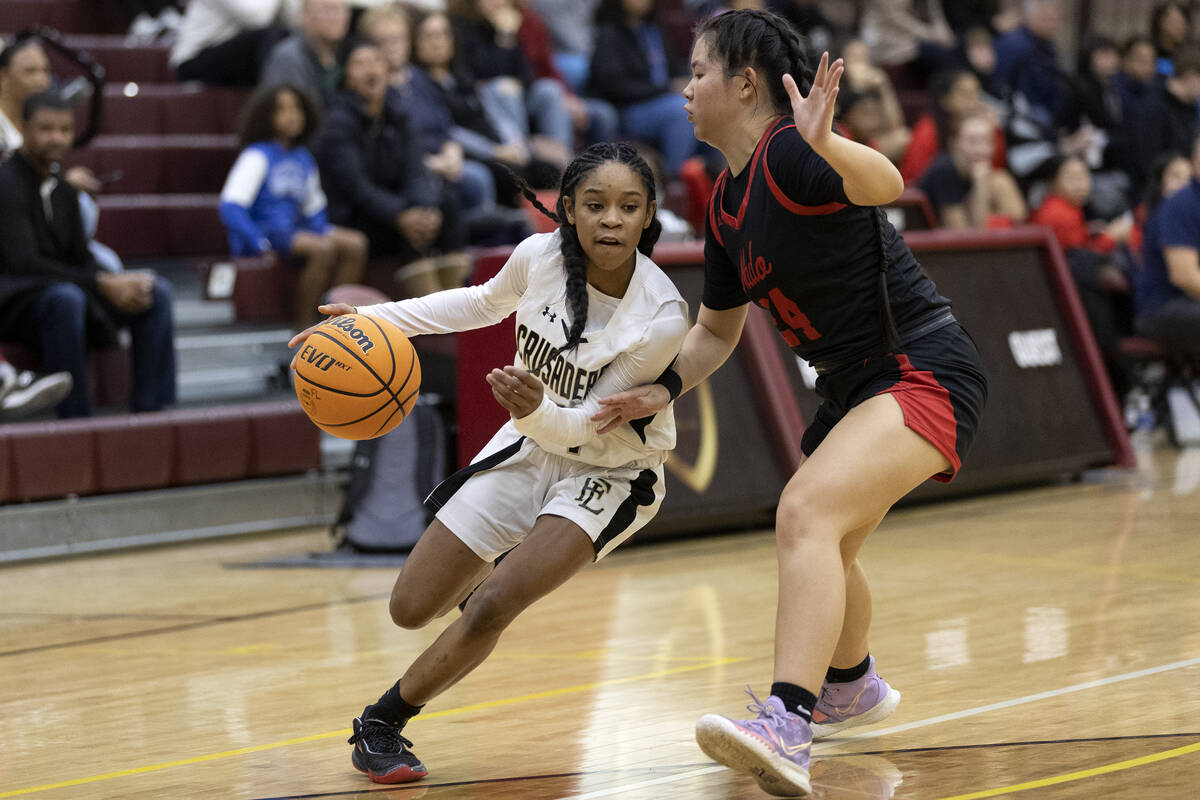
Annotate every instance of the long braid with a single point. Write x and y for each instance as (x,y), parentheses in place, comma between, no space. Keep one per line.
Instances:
(574,258)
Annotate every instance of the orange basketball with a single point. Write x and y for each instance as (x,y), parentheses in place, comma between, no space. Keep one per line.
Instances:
(357,377)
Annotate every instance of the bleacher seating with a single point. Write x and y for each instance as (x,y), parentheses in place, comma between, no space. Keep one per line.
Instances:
(41,460)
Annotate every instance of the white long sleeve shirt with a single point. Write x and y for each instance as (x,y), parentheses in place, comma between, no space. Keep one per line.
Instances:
(627,341)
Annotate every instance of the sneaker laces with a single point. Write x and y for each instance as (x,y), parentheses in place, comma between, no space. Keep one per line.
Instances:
(765,710)
(380,737)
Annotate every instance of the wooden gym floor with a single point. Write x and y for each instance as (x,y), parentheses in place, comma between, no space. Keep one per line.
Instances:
(1047,644)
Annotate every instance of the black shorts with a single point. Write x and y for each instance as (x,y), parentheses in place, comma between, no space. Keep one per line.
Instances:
(938,381)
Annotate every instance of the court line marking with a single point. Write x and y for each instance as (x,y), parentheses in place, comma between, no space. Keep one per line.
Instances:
(665,768)
(1029,698)
(258,748)
(970,712)
(628,787)
(201,623)
(1081,774)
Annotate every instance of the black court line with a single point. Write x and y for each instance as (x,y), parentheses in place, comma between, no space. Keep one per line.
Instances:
(410,787)
(187,626)
(648,772)
(1030,743)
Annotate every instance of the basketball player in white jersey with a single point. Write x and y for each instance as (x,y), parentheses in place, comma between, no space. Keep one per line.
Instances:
(595,316)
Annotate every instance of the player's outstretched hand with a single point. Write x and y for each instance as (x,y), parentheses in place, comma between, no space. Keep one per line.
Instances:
(332,309)
(516,390)
(638,402)
(814,114)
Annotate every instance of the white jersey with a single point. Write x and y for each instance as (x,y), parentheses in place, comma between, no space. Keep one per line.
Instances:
(627,342)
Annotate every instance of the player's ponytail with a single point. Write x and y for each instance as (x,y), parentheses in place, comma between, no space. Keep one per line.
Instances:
(762,40)
(574,259)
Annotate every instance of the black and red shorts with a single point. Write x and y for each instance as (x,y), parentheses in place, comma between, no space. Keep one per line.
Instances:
(938,380)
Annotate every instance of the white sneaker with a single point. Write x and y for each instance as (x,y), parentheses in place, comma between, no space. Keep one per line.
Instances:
(29,393)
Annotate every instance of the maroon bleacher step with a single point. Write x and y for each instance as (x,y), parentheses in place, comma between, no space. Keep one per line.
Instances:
(123,63)
(164,225)
(68,16)
(161,164)
(161,108)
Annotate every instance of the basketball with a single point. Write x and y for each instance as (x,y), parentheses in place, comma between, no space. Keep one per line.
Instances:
(357,377)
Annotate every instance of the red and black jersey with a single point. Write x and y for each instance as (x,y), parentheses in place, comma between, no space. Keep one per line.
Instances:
(783,234)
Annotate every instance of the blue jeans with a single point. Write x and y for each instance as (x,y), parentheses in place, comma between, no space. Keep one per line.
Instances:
(662,123)
(59,316)
(541,104)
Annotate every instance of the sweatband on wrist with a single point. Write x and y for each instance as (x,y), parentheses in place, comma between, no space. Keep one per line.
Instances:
(671,381)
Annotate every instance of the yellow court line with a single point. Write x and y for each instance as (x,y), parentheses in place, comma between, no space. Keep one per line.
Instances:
(583,687)
(1076,776)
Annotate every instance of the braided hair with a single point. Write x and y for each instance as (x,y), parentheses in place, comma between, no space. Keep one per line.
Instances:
(762,40)
(574,258)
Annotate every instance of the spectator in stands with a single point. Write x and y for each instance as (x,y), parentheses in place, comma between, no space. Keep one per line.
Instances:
(1168,120)
(1136,84)
(226,42)
(373,170)
(1102,283)
(955,95)
(964,186)
(273,203)
(1062,209)
(1170,173)
(876,118)
(492,139)
(1168,287)
(1095,101)
(632,69)
(53,295)
(308,58)
(415,95)
(1027,61)
(23,393)
(1170,26)
(25,70)
(595,119)
(1093,119)
(901,35)
(573,32)
(490,54)
(979,53)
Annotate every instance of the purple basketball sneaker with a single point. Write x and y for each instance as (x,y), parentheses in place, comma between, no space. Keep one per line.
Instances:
(847,705)
(773,747)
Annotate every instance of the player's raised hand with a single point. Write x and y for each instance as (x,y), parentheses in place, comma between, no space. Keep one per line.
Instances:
(814,114)
(635,403)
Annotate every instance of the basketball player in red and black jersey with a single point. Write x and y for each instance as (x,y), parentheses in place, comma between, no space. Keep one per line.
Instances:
(793,227)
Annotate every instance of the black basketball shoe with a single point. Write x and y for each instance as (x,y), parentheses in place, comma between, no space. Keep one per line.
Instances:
(382,753)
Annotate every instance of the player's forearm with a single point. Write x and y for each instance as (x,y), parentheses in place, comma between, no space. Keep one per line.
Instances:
(867,176)
(702,353)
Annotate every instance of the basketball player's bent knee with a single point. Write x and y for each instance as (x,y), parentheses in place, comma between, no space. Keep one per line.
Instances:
(410,613)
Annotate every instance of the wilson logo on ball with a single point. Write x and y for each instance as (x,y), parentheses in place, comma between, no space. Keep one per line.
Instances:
(357,334)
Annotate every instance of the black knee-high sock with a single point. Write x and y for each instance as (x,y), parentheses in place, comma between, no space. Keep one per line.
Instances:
(391,707)
(835,675)
(796,699)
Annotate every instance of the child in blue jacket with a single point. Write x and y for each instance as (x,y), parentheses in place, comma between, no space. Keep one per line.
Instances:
(273,203)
